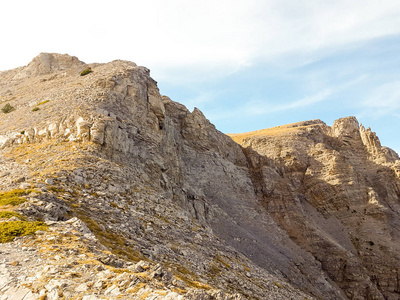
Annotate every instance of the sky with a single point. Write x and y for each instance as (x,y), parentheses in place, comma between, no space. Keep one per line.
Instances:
(246,64)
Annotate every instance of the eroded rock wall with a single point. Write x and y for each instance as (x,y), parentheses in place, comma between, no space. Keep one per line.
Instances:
(346,208)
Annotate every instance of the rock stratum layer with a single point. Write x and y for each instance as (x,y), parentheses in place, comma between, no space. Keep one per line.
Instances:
(144,199)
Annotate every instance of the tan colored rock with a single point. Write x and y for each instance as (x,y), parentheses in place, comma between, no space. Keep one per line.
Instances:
(83,129)
(346,128)
(97,132)
(46,63)
(343,213)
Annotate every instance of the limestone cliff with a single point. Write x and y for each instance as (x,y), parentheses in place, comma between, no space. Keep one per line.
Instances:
(343,205)
(161,205)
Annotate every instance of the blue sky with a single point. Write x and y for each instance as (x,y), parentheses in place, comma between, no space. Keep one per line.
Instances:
(247,65)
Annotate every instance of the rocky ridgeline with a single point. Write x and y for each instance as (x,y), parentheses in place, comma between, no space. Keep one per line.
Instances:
(147,200)
(344,205)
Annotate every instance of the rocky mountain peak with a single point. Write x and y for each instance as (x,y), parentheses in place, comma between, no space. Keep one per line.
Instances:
(46,63)
(346,127)
(143,199)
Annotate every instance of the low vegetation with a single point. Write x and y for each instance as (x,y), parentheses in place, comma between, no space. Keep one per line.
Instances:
(7,108)
(11,230)
(116,243)
(9,214)
(36,108)
(86,71)
(273,131)
(13,197)
(43,102)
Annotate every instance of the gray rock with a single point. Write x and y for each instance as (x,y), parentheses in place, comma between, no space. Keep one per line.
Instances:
(49,181)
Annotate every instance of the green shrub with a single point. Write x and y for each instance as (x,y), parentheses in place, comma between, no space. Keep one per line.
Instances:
(36,109)
(43,102)
(10,230)
(13,197)
(86,71)
(9,214)
(7,108)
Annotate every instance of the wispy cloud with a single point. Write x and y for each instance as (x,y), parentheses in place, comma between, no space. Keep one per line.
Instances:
(199,34)
(265,106)
(258,107)
(383,101)
(202,99)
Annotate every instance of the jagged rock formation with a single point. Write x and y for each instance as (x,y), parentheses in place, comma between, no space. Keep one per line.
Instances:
(306,211)
(343,205)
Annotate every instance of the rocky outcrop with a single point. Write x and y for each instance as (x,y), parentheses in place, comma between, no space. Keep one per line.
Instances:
(373,145)
(344,202)
(46,63)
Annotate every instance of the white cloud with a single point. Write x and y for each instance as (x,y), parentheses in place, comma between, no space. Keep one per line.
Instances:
(180,33)
(261,107)
(201,99)
(384,100)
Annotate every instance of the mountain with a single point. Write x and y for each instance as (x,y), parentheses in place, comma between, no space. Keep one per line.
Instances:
(132,196)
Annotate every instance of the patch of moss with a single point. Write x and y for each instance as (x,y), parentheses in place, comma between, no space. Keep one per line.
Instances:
(9,214)
(56,189)
(187,276)
(86,71)
(137,287)
(219,259)
(7,108)
(113,204)
(214,270)
(13,197)
(43,102)
(279,285)
(11,230)
(119,270)
(246,268)
(179,290)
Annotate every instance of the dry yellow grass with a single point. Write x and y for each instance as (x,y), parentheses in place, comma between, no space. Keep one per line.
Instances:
(49,157)
(273,131)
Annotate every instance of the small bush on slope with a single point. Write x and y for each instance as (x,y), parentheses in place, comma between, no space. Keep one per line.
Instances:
(13,197)
(11,230)
(7,108)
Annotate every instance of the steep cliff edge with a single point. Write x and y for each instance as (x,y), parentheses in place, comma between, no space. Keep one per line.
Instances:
(345,209)
(147,200)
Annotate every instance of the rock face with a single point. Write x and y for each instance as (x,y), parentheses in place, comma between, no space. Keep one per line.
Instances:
(343,205)
(171,208)
(47,63)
